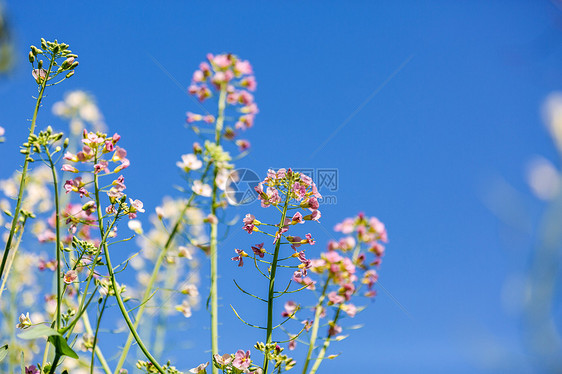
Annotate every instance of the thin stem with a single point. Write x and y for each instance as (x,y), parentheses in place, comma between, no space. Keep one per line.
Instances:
(148,291)
(11,260)
(315,325)
(24,171)
(97,349)
(214,234)
(325,346)
(57,229)
(96,335)
(114,284)
(271,293)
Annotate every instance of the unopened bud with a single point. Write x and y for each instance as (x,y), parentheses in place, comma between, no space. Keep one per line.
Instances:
(31,57)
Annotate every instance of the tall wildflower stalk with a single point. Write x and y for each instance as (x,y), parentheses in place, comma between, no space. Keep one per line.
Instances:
(53,52)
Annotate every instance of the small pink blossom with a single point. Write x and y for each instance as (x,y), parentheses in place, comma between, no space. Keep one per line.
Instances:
(242,360)
(241,254)
(39,75)
(258,250)
(70,277)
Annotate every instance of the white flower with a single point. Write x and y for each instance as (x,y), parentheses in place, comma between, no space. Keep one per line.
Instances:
(189,162)
(25,321)
(185,252)
(136,226)
(201,189)
(201,369)
(184,309)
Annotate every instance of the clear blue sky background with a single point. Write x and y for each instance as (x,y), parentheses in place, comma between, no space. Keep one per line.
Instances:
(463,109)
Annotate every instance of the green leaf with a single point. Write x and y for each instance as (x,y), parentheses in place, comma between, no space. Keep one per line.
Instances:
(3,351)
(39,331)
(61,346)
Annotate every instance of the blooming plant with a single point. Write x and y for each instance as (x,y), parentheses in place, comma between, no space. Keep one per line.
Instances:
(76,199)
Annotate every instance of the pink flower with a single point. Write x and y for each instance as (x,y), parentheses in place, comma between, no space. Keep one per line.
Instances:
(39,75)
(243,144)
(101,166)
(242,360)
(350,309)
(243,67)
(297,218)
(314,216)
(31,370)
(249,221)
(258,249)
(223,360)
(310,240)
(69,168)
(70,277)
(292,344)
(290,308)
(241,254)
(334,330)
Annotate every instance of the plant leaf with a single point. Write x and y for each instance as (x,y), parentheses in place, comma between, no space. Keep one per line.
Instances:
(3,352)
(61,346)
(39,331)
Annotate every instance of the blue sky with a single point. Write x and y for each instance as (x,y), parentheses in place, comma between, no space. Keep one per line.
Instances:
(438,99)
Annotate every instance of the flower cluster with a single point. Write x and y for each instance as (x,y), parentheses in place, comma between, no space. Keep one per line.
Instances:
(237,363)
(232,78)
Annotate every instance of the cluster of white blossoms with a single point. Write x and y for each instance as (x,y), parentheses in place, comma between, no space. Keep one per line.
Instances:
(80,109)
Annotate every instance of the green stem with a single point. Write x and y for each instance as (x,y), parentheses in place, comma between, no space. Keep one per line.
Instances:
(55,362)
(315,325)
(98,351)
(57,229)
(271,292)
(325,346)
(214,236)
(116,289)
(24,171)
(96,335)
(150,285)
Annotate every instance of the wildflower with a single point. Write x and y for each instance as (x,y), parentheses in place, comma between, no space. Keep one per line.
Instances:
(190,289)
(290,309)
(242,360)
(249,223)
(223,360)
(24,321)
(292,345)
(31,370)
(243,144)
(241,254)
(201,189)
(69,168)
(211,218)
(136,226)
(76,185)
(334,329)
(258,249)
(297,218)
(184,309)
(185,252)
(350,309)
(189,162)
(314,216)
(334,298)
(39,75)
(70,277)
(136,206)
(201,369)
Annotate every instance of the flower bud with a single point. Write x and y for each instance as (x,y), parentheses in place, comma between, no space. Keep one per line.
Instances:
(31,57)
(70,74)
